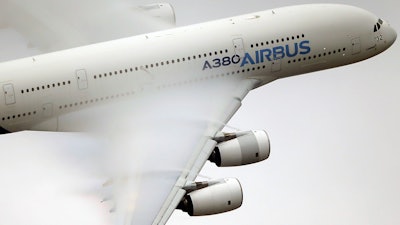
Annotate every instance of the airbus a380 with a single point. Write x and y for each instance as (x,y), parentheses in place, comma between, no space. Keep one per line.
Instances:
(204,69)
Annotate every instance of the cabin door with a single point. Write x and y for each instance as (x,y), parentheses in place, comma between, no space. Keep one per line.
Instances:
(356,45)
(239,47)
(9,94)
(47,110)
(276,65)
(82,80)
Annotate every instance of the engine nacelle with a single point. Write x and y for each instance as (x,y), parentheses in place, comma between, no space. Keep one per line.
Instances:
(241,149)
(223,196)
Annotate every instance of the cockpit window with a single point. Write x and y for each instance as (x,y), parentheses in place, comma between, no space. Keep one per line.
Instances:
(378,25)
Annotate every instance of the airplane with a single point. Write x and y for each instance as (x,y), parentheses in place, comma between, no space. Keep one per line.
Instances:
(152,107)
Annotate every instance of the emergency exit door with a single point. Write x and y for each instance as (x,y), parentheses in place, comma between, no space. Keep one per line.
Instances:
(239,47)
(82,80)
(9,94)
(356,45)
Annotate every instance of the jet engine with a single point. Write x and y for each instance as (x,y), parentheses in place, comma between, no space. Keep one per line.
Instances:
(213,197)
(242,148)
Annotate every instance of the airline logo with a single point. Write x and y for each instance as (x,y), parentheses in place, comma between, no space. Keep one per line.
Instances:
(261,56)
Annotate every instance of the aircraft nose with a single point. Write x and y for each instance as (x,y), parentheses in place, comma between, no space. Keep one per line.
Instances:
(390,35)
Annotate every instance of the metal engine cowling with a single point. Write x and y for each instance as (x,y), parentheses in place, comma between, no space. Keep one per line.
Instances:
(223,196)
(242,149)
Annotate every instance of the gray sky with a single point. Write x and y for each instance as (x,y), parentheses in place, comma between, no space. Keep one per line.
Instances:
(334,136)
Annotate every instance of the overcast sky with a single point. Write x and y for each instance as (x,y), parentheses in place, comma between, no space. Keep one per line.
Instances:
(334,136)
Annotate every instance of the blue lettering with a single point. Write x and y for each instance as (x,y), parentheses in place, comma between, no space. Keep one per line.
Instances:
(247,59)
(304,45)
(261,56)
(257,57)
(279,52)
(267,55)
(296,50)
(207,65)
(217,63)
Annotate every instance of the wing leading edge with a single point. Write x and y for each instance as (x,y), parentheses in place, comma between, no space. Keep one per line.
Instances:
(203,151)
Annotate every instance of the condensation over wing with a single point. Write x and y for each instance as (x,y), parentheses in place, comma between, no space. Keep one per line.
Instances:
(48,25)
(127,165)
(50,178)
(162,139)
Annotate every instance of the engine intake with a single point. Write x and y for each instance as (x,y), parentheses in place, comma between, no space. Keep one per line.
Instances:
(241,149)
(222,196)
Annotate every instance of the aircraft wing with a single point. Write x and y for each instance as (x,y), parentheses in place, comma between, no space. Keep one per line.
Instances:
(129,168)
(206,145)
(46,25)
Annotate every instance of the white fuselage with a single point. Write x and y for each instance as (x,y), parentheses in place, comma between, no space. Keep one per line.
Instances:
(38,91)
